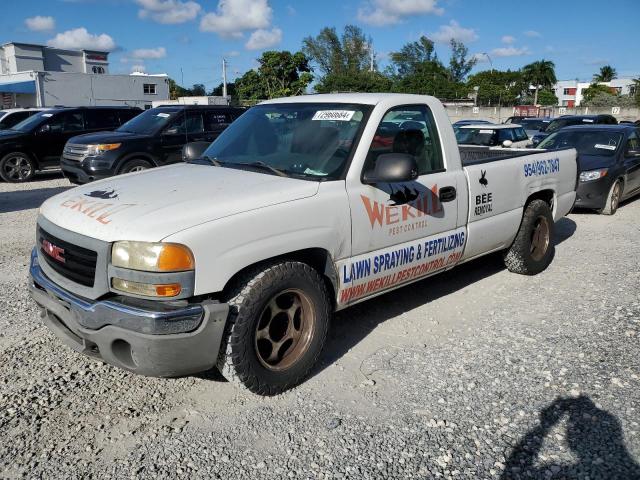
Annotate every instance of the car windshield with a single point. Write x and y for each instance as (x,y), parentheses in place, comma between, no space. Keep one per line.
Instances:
(306,140)
(487,137)
(559,123)
(150,121)
(532,124)
(586,142)
(33,122)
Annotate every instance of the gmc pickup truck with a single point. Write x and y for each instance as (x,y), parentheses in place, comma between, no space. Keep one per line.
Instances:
(303,206)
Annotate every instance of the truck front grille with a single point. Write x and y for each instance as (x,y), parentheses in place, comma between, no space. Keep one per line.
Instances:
(76,263)
(75,152)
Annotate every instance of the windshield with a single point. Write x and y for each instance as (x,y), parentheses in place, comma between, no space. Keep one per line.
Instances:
(559,123)
(33,122)
(532,124)
(149,121)
(477,136)
(310,140)
(586,142)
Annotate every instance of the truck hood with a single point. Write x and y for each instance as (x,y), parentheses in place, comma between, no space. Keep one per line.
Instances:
(595,162)
(8,135)
(151,205)
(105,137)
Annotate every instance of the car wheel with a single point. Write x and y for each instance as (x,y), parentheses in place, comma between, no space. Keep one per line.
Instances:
(532,249)
(17,167)
(613,199)
(278,321)
(137,165)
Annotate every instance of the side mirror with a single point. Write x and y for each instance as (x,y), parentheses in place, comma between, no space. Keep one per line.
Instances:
(507,143)
(171,131)
(44,129)
(193,150)
(392,168)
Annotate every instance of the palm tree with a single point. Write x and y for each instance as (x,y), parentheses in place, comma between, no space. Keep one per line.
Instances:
(606,74)
(540,74)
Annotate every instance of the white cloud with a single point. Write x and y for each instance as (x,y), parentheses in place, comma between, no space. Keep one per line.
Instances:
(138,68)
(232,53)
(261,39)
(532,33)
(386,12)
(510,52)
(79,38)
(480,57)
(233,17)
(453,31)
(40,24)
(508,39)
(154,53)
(168,11)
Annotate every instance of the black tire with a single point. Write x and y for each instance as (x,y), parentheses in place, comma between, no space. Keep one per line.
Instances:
(242,359)
(135,165)
(17,167)
(613,199)
(533,248)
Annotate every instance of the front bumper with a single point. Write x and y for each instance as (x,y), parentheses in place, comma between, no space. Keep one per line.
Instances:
(593,194)
(152,338)
(80,172)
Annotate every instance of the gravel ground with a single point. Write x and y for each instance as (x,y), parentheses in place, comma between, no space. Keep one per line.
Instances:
(476,373)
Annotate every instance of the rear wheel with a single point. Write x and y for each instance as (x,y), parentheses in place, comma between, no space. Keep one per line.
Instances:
(277,326)
(532,249)
(136,165)
(17,167)
(613,199)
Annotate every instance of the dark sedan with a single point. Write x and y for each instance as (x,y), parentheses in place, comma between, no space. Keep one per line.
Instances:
(569,120)
(609,163)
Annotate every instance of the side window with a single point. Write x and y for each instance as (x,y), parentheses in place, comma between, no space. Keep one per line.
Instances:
(215,120)
(13,119)
(194,122)
(506,134)
(67,122)
(126,115)
(180,125)
(633,143)
(521,135)
(409,129)
(97,119)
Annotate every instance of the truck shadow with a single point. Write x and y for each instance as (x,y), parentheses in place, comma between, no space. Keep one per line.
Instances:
(352,325)
(593,435)
(19,200)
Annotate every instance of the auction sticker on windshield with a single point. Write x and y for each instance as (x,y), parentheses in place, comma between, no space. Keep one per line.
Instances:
(340,115)
(605,147)
(163,115)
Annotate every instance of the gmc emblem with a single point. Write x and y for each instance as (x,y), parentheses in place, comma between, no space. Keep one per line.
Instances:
(53,251)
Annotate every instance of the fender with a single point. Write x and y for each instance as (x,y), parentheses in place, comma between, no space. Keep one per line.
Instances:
(130,156)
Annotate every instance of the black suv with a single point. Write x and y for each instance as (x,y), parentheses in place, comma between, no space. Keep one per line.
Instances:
(152,139)
(37,142)
(568,120)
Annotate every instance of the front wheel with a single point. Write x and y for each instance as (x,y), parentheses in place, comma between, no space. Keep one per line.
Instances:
(613,199)
(532,249)
(17,167)
(136,165)
(277,326)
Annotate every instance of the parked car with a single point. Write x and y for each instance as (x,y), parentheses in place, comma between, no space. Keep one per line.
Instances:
(13,116)
(568,120)
(516,119)
(492,135)
(460,123)
(533,126)
(609,162)
(154,138)
(238,258)
(37,142)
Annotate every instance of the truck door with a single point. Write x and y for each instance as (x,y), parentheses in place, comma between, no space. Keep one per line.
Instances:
(407,230)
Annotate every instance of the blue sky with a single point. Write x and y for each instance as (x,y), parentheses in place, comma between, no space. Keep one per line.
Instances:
(193,35)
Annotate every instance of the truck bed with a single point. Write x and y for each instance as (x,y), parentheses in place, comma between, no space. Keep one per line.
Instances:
(474,155)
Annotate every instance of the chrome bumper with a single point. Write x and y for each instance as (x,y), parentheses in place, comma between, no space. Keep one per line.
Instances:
(150,338)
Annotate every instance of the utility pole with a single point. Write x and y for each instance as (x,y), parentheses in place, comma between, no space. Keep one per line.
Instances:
(224,78)
(373,55)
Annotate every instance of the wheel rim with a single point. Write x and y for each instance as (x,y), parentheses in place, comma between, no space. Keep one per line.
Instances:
(17,167)
(615,196)
(285,329)
(137,168)
(540,238)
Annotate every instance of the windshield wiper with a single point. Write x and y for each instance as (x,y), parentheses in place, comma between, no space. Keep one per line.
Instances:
(209,160)
(263,166)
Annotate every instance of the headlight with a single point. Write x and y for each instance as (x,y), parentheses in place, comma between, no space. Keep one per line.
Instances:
(152,257)
(101,148)
(147,289)
(592,175)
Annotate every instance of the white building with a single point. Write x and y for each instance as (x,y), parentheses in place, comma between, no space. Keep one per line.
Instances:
(40,76)
(569,92)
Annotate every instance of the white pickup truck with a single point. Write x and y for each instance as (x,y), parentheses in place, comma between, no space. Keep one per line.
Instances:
(303,206)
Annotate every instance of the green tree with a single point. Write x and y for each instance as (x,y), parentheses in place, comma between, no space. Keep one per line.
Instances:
(284,74)
(359,82)
(250,87)
(197,90)
(176,90)
(601,99)
(540,74)
(411,55)
(460,64)
(496,87)
(547,97)
(596,89)
(636,87)
(606,74)
(332,54)
(430,78)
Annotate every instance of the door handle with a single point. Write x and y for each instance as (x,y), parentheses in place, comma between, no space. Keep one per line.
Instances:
(447,194)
